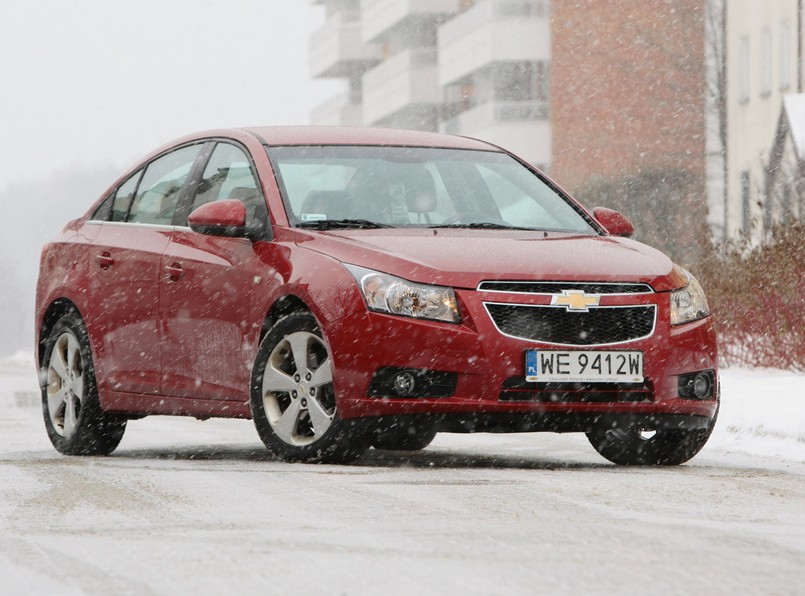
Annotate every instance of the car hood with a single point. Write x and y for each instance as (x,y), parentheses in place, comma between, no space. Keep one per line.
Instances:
(463,258)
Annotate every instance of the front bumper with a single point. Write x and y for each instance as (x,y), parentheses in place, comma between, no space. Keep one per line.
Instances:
(486,363)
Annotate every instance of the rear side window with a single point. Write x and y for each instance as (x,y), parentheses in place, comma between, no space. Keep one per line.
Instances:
(117,204)
(122,199)
(161,186)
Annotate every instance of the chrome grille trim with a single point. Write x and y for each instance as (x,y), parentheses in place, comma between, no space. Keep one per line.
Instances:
(556,287)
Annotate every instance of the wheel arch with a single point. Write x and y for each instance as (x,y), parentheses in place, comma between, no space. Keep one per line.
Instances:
(55,310)
(282,306)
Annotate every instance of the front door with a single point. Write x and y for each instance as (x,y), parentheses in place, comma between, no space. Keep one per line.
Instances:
(207,288)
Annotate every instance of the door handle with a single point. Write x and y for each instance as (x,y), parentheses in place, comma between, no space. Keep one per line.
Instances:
(104,260)
(174,271)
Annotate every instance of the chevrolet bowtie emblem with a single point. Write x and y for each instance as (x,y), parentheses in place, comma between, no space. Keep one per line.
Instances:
(575,300)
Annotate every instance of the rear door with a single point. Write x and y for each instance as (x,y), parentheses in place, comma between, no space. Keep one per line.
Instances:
(207,289)
(125,271)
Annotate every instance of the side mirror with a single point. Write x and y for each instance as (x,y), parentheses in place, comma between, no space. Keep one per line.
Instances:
(614,222)
(220,218)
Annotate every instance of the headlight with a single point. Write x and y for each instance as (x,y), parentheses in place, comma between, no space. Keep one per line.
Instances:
(689,303)
(396,296)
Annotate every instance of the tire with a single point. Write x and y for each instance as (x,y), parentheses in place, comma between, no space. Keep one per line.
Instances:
(75,422)
(634,447)
(294,407)
(403,435)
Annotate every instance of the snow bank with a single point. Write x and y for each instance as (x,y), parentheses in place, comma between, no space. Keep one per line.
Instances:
(762,413)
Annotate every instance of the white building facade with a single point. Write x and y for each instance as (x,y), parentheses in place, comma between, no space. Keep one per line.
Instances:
(471,67)
(763,64)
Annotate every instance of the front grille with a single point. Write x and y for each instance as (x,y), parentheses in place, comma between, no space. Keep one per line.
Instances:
(558,326)
(556,287)
(516,389)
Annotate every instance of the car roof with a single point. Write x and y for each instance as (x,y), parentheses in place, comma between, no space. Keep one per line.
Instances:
(341,135)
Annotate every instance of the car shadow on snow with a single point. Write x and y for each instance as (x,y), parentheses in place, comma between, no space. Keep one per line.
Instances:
(374,458)
(455,459)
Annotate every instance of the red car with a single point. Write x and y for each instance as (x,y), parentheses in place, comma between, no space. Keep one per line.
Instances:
(348,288)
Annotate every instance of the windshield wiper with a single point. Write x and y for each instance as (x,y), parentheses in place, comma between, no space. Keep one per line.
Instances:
(335,224)
(483,225)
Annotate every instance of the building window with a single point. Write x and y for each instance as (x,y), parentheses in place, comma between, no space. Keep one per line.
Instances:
(799,196)
(515,81)
(744,61)
(765,62)
(786,206)
(746,201)
(521,8)
(785,55)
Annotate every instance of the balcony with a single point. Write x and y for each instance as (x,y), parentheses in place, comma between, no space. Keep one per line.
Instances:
(384,18)
(493,31)
(520,126)
(405,83)
(337,111)
(336,49)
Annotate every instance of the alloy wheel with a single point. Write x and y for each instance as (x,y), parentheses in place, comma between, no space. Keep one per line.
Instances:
(65,385)
(297,389)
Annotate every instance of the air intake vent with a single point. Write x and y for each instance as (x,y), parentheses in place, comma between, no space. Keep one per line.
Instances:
(516,389)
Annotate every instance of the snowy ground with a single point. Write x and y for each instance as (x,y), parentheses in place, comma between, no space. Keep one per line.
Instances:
(198,507)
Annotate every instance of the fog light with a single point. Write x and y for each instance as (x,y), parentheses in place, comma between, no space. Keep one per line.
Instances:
(698,385)
(404,383)
(394,381)
(702,385)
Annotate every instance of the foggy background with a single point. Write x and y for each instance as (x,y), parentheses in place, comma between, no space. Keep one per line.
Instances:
(90,86)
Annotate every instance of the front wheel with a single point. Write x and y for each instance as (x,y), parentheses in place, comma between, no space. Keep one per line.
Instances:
(402,435)
(293,400)
(75,422)
(636,447)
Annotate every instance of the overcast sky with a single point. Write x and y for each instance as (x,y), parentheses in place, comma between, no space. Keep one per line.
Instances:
(101,82)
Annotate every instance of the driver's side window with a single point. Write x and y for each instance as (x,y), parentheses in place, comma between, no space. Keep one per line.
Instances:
(229,175)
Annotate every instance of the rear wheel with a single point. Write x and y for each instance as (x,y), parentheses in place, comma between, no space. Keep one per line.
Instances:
(75,422)
(293,400)
(636,447)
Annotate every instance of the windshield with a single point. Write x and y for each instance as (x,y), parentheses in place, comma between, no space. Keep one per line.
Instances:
(371,186)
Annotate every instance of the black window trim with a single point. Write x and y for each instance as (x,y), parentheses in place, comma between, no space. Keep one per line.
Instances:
(141,168)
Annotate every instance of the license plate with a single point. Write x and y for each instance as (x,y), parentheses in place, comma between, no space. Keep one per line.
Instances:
(563,366)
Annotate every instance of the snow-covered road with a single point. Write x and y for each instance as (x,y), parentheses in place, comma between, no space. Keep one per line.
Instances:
(199,507)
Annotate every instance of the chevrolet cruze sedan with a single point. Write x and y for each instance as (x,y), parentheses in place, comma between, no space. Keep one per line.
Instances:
(348,288)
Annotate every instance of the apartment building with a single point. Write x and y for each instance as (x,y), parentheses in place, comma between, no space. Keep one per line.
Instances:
(473,67)
(675,102)
(337,51)
(494,59)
